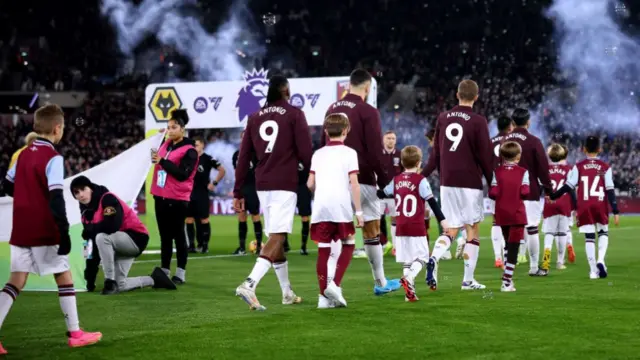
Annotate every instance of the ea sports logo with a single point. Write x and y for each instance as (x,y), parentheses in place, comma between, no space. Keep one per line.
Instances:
(200,105)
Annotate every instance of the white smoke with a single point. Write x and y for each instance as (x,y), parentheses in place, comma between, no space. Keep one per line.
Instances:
(600,63)
(213,56)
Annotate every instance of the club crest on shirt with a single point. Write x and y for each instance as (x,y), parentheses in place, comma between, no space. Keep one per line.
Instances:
(396,161)
(300,166)
(200,168)
(108,211)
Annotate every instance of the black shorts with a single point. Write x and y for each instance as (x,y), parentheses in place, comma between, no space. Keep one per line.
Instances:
(199,206)
(251,201)
(304,200)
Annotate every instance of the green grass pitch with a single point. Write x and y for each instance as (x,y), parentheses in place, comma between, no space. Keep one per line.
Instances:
(563,316)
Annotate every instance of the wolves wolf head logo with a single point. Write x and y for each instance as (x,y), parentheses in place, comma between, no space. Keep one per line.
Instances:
(253,95)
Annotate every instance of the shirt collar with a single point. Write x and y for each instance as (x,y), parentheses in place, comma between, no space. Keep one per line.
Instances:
(334,142)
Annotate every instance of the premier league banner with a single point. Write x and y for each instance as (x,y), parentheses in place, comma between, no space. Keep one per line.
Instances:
(227,104)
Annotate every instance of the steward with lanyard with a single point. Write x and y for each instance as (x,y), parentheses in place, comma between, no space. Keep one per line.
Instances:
(176,162)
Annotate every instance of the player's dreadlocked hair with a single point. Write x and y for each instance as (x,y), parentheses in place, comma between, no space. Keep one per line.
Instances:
(277,84)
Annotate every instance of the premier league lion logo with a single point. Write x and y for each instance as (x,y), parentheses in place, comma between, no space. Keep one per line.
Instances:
(253,94)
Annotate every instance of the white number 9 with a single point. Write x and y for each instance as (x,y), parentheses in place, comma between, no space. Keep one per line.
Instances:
(454,138)
(496,150)
(269,138)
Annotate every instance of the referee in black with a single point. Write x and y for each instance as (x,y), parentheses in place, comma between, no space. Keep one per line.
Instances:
(304,209)
(198,211)
(251,204)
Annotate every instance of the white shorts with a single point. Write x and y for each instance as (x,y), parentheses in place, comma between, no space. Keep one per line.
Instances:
(410,248)
(534,212)
(370,203)
(278,208)
(557,224)
(388,205)
(586,229)
(491,204)
(461,206)
(571,221)
(38,260)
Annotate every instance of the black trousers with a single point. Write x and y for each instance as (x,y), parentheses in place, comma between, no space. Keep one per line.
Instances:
(170,215)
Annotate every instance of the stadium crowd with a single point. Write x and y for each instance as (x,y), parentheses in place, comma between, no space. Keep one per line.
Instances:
(417,69)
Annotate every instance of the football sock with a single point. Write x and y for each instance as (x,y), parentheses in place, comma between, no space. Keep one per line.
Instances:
(259,270)
(332,264)
(242,234)
(373,249)
(533,241)
(406,269)
(344,260)
(569,238)
(7,297)
(416,267)
(67,296)
(603,244)
(442,245)
(511,256)
(181,274)
(204,233)
(522,250)
(282,273)
(257,229)
(471,250)
(546,255)
(393,230)
(322,264)
(305,233)
(498,241)
(191,234)
(561,245)
(590,248)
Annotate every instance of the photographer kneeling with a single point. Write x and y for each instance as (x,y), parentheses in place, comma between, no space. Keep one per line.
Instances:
(119,237)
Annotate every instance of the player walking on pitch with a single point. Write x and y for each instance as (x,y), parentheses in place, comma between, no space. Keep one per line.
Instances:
(510,185)
(505,126)
(593,180)
(40,242)
(334,177)
(411,192)
(393,167)
(557,214)
(279,136)
(534,160)
(365,138)
(462,155)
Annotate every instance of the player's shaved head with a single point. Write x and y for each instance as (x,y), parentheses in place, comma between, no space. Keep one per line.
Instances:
(359,77)
(46,118)
(504,122)
(592,144)
(557,152)
(521,116)
(468,91)
(510,150)
(410,157)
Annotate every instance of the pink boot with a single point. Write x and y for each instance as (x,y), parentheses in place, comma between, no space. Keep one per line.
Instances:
(82,338)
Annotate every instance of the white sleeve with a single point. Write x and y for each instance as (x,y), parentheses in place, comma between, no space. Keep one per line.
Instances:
(525,178)
(494,181)
(608,180)
(11,174)
(425,189)
(572,177)
(353,162)
(55,173)
(313,163)
(389,188)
